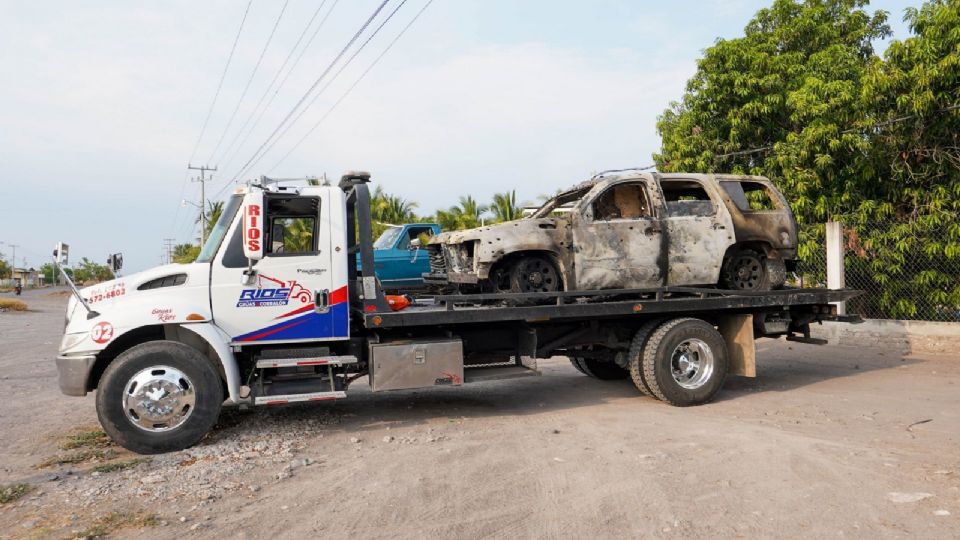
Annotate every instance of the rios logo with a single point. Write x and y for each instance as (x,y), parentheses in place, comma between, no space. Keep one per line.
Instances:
(264,297)
(273,296)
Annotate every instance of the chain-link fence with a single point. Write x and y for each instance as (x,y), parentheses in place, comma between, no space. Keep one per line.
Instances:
(906,269)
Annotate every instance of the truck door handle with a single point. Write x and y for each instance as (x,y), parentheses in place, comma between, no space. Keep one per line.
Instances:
(321,301)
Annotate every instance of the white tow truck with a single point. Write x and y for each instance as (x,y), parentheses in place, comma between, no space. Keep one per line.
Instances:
(283,306)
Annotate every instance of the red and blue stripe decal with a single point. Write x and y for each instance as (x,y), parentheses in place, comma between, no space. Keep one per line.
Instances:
(305,323)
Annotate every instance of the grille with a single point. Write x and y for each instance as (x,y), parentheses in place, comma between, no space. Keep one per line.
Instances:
(437,264)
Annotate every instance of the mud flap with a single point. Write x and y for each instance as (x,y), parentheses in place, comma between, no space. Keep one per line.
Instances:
(737,332)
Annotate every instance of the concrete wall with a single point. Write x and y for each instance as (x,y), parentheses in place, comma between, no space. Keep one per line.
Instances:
(897,336)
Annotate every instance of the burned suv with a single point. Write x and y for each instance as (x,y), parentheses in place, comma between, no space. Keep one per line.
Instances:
(628,230)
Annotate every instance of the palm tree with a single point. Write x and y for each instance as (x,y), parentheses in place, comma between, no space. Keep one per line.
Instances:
(298,237)
(212,215)
(505,207)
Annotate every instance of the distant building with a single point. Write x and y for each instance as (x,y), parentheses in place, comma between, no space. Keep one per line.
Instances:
(28,277)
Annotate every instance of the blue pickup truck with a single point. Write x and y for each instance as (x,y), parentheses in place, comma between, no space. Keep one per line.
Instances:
(399,259)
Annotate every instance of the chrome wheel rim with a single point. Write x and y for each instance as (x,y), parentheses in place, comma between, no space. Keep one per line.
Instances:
(159,398)
(692,364)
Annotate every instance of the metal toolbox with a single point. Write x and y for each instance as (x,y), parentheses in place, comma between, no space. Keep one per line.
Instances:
(397,365)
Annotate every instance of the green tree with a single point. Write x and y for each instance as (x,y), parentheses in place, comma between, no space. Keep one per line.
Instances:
(87,271)
(213,211)
(50,273)
(803,98)
(467,214)
(185,253)
(505,208)
(5,270)
(386,210)
(299,235)
(789,87)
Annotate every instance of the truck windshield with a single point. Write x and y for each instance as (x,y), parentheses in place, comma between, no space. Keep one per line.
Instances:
(220,229)
(388,238)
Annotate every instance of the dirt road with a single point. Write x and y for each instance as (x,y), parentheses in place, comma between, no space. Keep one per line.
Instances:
(826,442)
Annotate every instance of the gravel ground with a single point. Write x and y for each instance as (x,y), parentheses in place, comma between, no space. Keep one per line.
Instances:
(826,442)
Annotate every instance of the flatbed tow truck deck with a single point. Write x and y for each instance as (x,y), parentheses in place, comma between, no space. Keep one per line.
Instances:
(574,305)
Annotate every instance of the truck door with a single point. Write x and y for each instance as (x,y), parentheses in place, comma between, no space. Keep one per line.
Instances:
(277,303)
(404,263)
(617,240)
(698,229)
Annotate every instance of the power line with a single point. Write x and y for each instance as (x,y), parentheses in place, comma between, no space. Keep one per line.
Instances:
(266,92)
(256,155)
(877,125)
(213,103)
(223,76)
(354,85)
(333,79)
(250,80)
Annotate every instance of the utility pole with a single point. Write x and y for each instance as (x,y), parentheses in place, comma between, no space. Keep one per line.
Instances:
(203,199)
(14,248)
(168,248)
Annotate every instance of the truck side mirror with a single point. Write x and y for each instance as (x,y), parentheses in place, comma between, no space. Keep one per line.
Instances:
(253,220)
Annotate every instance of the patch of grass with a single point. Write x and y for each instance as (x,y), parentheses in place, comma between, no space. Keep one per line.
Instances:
(120,465)
(104,525)
(12,492)
(79,457)
(13,305)
(94,438)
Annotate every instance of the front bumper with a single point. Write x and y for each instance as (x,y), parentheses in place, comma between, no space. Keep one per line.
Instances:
(73,373)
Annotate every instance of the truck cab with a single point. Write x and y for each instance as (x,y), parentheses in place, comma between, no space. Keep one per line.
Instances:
(399,257)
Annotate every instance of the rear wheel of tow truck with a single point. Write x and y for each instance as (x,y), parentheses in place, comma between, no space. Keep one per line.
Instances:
(685,362)
(605,370)
(635,356)
(159,397)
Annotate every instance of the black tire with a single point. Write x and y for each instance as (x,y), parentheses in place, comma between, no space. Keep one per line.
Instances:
(575,362)
(534,273)
(605,370)
(207,392)
(659,362)
(745,270)
(635,356)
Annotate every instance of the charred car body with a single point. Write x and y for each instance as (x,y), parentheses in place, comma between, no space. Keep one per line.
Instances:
(631,230)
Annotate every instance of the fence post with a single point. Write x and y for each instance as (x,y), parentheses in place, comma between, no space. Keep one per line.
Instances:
(835,269)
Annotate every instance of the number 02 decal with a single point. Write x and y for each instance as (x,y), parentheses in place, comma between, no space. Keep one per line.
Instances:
(102,332)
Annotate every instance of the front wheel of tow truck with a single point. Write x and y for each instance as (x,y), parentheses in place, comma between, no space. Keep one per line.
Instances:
(159,397)
(684,362)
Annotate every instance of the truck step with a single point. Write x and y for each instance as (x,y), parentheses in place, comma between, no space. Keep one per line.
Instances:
(294,398)
(265,363)
(495,373)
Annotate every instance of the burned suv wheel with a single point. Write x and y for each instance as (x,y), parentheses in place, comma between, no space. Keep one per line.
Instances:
(745,270)
(534,273)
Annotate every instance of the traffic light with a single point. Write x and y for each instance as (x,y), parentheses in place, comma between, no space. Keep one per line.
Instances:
(115,262)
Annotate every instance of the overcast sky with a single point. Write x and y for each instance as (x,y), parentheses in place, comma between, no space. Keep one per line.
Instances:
(102,102)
